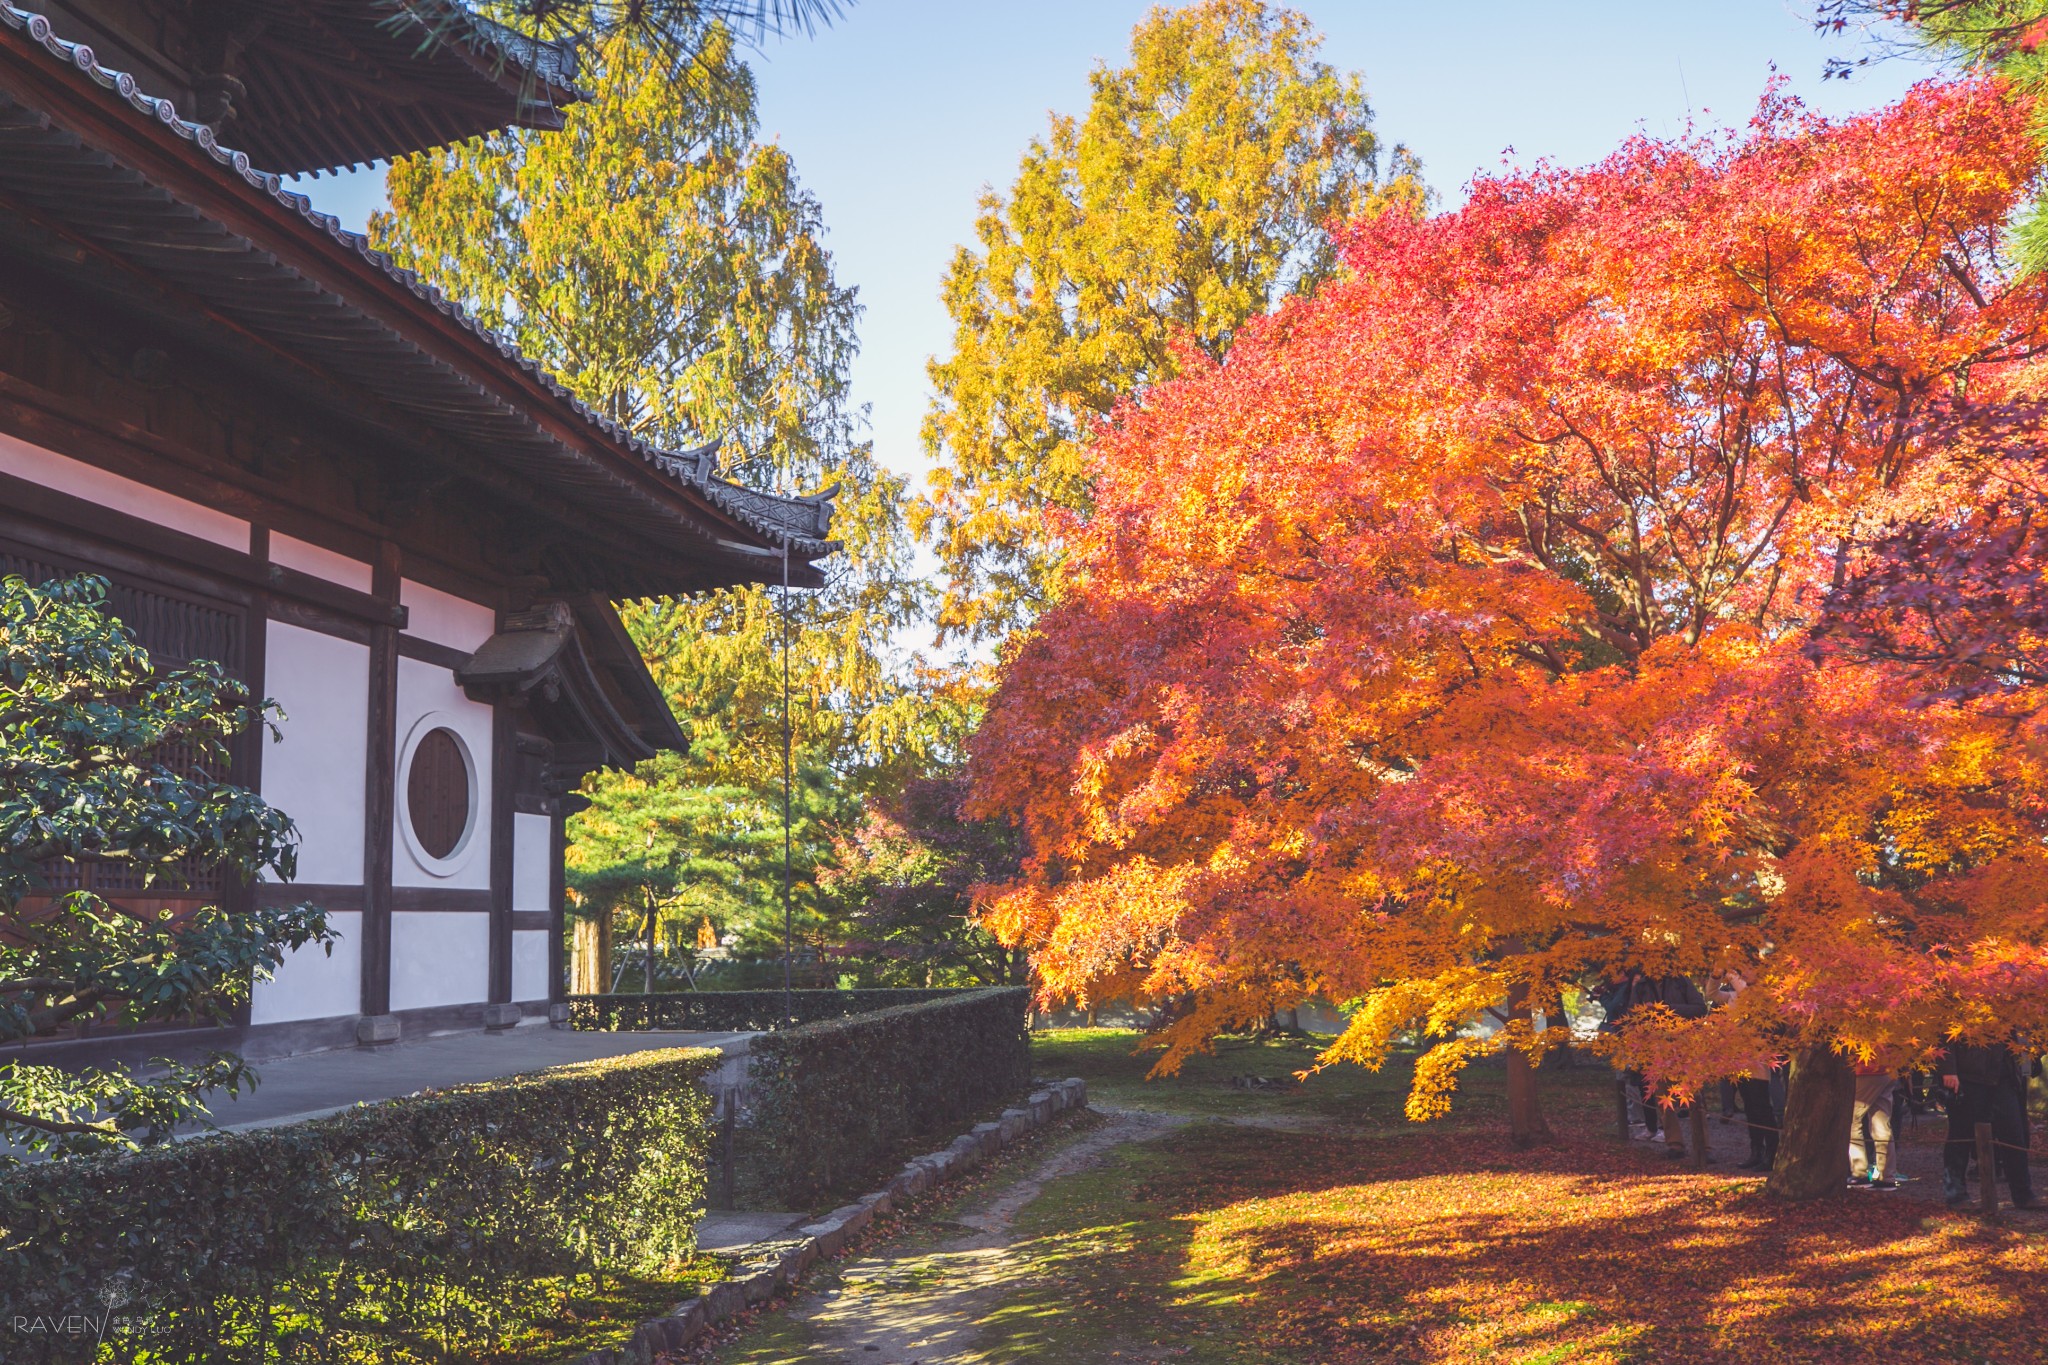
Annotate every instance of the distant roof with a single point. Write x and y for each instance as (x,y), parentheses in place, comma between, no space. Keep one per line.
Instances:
(260,258)
(317,85)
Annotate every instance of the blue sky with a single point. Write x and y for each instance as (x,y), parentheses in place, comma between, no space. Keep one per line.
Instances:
(899,114)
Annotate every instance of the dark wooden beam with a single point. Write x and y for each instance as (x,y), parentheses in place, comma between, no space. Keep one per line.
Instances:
(558,896)
(431,652)
(504,773)
(249,745)
(105,530)
(380,791)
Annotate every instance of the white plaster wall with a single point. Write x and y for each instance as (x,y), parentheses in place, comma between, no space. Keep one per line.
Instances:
(429,691)
(321,563)
(529,964)
(316,774)
(532,843)
(439,958)
(445,618)
(81,480)
(312,985)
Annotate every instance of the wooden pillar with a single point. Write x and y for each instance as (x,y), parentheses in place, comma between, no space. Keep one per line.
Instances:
(504,773)
(558,895)
(249,745)
(380,808)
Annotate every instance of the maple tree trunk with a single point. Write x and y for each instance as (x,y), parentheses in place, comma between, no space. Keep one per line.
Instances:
(1526,1127)
(1813,1149)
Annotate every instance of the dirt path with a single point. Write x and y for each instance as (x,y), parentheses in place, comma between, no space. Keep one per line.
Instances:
(925,1307)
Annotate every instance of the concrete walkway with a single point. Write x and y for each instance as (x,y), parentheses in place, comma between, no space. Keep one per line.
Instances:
(293,1089)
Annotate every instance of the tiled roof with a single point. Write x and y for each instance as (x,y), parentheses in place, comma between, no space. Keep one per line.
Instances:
(112,203)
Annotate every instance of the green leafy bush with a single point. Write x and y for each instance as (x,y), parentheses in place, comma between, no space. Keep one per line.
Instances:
(834,1100)
(404,1231)
(735,1011)
(110,762)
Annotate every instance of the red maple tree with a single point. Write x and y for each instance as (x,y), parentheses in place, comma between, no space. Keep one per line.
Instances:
(1445,648)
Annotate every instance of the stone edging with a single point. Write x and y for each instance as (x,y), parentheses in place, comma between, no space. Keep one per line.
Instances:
(764,1268)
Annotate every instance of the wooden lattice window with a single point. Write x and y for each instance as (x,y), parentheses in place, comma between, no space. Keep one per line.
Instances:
(437,793)
(176,631)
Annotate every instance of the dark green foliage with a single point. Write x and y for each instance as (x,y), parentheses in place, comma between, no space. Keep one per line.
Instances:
(106,757)
(733,1011)
(904,884)
(398,1232)
(833,1100)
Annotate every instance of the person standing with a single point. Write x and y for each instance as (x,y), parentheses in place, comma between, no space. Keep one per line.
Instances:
(1870,1129)
(1617,997)
(1753,1090)
(1682,998)
(1985,1085)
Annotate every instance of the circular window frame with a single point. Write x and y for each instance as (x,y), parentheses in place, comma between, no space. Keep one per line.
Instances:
(465,847)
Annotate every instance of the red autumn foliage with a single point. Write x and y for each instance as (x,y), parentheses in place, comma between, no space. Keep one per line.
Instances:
(1445,648)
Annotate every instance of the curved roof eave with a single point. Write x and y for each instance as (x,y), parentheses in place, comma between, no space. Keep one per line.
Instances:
(697,500)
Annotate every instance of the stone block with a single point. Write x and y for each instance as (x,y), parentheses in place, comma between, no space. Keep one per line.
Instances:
(989,1135)
(1041,1106)
(377,1030)
(829,1237)
(760,1286)
(966,1150)
(940,1164)
(798,1259)
(878,1204)
(1016,1123)
(688,1317)
(645,1346)
(558,1015)
(502,1016)
(722,1300)
(1080,1092)
(854,1218)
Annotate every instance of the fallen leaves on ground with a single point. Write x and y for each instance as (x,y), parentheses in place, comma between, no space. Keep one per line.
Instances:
(1455,1247)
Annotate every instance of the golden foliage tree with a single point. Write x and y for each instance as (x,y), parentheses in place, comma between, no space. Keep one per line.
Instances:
(670,270)
(1200,188)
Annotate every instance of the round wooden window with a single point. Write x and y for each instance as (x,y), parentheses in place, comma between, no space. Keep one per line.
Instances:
(437,793)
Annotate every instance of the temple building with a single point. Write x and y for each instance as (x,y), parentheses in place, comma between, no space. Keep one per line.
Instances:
(293,457)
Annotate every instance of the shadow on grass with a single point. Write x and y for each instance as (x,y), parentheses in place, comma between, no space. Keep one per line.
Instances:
(1225,1244)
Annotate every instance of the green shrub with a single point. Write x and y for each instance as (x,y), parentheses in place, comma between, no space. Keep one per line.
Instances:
(395,1232)
(833,1101)
(734,1011)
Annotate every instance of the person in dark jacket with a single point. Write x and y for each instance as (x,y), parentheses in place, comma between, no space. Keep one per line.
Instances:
(1985,1085)
(1682,998)
(1617,994)
(1757,1110)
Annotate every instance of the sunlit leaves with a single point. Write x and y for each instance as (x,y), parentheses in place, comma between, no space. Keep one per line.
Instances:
(1447,642)
(1202,186)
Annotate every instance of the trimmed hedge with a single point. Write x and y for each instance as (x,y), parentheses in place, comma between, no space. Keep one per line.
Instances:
(407,1230)
(735,1011)
(833,1101)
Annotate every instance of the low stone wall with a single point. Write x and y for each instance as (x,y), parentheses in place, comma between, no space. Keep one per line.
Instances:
(766,1268)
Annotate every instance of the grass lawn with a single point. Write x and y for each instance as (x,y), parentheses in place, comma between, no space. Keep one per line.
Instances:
(1356,1236)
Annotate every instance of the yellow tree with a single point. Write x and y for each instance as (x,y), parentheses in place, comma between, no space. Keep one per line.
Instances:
(1199,189)
(670,271)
